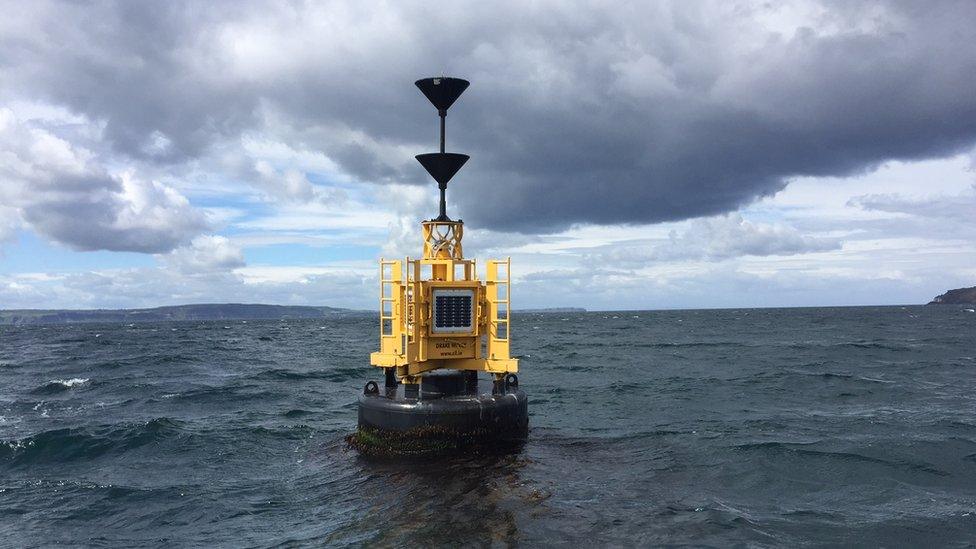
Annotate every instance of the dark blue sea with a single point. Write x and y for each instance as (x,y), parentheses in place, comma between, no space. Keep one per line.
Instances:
(762,427)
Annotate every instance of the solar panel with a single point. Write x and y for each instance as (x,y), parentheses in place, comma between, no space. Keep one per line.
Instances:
(453,311)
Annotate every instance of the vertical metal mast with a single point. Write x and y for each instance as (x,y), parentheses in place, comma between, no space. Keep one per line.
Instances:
(443,188)
(442,166)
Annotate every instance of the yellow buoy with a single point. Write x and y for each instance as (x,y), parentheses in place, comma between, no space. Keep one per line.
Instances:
(440,324)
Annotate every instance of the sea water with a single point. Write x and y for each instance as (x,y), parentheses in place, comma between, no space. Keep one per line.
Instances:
(759,427)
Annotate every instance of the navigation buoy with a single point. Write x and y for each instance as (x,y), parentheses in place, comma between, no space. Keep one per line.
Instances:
(440,326)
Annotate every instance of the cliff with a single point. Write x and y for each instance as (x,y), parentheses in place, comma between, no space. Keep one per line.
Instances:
(959,296)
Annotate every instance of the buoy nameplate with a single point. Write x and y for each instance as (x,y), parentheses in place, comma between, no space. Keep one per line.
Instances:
(451,348)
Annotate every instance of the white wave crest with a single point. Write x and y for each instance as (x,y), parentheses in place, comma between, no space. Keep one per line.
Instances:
(70,382)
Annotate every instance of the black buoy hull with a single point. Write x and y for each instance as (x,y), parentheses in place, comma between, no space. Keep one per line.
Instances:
(486,415)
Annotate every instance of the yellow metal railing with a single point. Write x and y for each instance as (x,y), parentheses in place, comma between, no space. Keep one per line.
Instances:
(499,308)
(390,313)
(406,314)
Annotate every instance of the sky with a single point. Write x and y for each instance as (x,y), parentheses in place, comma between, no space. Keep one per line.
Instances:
(625,155)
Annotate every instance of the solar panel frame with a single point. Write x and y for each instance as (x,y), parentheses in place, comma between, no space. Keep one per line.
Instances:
(453,311)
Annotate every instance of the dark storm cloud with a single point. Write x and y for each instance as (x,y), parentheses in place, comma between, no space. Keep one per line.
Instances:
(575,114)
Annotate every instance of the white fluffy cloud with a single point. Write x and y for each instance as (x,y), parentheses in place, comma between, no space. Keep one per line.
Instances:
(151,287)
(205,254)
(728,236)
(9,222)
(960,208)
(719,238)
(64,192)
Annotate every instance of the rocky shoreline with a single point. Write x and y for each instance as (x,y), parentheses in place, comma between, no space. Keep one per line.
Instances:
(959,296)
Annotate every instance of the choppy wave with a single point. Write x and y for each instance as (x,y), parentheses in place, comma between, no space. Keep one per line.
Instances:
(73,444)
(330,374)
(806,450)
(60,385)
(698,428)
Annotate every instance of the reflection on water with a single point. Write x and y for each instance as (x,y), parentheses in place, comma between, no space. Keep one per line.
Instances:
(449,500)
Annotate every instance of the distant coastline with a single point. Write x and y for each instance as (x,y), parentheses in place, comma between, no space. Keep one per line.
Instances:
(959,296)
(203,311)
(257,311)
(553,310)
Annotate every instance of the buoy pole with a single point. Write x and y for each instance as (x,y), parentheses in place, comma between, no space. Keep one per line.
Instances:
(443,186)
